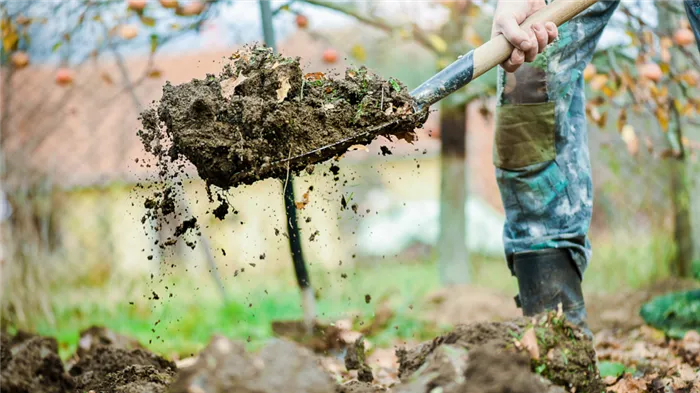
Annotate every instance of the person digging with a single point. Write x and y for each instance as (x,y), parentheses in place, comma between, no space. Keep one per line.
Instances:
(541,154)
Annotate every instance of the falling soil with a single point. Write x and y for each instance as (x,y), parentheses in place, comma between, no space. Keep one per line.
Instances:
(261,110)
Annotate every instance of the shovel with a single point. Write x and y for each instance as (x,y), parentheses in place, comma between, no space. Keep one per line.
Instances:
(455,76)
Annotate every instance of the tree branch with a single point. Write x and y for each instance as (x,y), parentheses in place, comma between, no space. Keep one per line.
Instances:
(418,35)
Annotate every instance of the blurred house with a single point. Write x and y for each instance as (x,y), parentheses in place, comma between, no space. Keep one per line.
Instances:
(82,140)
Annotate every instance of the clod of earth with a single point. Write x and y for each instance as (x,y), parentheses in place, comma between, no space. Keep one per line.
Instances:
(355,360)
(244,124)
(324,338)
(225,366)
(568,357)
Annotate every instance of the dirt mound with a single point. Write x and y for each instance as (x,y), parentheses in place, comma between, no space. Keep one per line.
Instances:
(467,304)
(558,351)
(33,365)
(110,369)
(261,109)
(620,310)
(96,336)
(281,366)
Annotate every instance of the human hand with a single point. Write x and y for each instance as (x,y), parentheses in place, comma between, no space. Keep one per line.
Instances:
(527,42)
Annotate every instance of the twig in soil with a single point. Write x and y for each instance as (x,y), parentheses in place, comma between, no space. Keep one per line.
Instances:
(286,180)
(381,107)
(301,95)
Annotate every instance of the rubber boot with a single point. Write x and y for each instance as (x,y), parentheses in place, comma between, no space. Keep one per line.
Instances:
(549,277)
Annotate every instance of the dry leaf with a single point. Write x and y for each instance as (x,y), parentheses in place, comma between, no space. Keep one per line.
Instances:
(228,86)
(529,341)
(315,76)
(630,139)
(304,200)
(629,385)
(155,73)
(284,89)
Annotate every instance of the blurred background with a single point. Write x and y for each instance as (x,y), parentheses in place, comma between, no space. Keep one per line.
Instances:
(76,74)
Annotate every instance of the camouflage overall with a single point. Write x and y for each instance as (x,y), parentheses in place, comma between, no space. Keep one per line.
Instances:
(541,144)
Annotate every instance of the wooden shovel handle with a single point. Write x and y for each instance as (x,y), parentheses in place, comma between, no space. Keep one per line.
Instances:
(498,49)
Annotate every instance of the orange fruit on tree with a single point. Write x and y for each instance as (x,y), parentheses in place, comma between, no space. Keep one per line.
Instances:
(137,5)
(650,71)
(64,76)
(168,3)
(19,59)
(302,21)
(191,9)
(589,72)
(128,32)
(683,36)
(330,55)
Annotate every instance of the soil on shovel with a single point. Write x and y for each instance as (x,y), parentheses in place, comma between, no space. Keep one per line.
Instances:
(262,109)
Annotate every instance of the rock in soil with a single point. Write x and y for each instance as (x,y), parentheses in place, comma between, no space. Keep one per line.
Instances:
(262,109)
(562,354)
(281,366)
(33,365)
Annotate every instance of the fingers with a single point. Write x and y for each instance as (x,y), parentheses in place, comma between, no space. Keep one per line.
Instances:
(541,35)
(552,31)
(517,58)
(532,53)
(517,36)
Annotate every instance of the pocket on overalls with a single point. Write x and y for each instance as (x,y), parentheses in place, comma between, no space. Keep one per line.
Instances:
(525,121)
(525,141)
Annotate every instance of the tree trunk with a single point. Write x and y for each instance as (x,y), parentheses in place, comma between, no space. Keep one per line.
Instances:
(453,256)
(686,247)
(680,200)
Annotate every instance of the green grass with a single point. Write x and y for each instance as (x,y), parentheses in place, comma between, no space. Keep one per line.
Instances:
(193,314)
(196,311)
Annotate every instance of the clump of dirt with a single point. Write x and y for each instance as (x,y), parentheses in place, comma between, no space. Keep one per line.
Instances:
(322,339)
(355,360)
(281,366)
(558,351)
(104,365)
(359,387)
(33,365)
(261,110)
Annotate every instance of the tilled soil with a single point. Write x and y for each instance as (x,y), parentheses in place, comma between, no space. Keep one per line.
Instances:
(541,355)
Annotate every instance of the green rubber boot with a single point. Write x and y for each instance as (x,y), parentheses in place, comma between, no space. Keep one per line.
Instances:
(545,279)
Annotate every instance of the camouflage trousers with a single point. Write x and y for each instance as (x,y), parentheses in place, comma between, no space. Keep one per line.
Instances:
(541,144)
